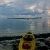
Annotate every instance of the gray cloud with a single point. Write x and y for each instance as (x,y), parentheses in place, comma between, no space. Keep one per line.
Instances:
(25,7)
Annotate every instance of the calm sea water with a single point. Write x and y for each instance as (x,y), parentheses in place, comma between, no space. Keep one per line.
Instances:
(13,27)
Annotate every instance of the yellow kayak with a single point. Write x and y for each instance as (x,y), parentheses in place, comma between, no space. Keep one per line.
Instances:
(27,42)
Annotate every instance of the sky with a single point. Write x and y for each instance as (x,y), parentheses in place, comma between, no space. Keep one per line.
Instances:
(14,8)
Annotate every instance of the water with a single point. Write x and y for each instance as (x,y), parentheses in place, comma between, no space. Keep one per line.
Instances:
(12,27)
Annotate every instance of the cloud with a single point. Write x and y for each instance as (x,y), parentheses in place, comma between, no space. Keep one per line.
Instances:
(24,7)
(30,7)
(4,1)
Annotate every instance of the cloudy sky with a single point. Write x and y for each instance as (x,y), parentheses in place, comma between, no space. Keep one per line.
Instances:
(24,7)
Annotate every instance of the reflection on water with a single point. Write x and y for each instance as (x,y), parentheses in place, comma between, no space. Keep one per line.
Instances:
(19,27)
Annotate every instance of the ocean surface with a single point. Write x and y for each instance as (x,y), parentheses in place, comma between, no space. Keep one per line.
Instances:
(11,27)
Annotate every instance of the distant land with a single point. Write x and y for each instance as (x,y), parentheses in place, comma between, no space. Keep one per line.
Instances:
(27,18)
